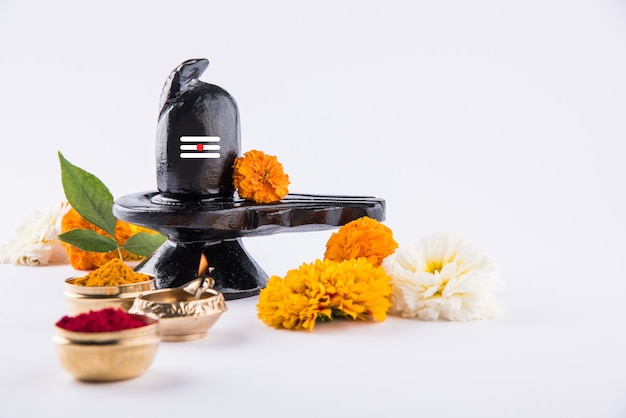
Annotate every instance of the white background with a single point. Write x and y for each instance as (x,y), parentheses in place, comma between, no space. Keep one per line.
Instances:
(501,120)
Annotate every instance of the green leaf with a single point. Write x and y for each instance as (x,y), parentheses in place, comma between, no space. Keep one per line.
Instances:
(88,195)
(88,240)
(144,243)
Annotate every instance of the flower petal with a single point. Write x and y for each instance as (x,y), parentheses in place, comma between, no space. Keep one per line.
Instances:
(443,276)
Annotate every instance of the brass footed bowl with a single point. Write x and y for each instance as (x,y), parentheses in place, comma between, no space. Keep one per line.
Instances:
(92,298)
(108,356)
(181,316)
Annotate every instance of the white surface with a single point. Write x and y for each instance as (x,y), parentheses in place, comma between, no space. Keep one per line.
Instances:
(502,120)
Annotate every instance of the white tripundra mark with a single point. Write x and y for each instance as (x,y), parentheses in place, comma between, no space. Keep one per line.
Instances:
(199,146)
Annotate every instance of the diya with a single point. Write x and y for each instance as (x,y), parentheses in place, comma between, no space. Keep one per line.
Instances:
(183,314)
(195,204)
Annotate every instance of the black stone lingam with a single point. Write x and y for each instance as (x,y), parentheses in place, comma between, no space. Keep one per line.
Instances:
(196,206)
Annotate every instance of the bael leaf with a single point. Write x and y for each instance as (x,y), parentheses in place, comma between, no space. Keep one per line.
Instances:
(88,196)
(144,243)
(88,240)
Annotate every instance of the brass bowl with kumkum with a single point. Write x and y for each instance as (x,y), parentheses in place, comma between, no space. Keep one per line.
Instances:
(184,313)
(94,356)
(113,285)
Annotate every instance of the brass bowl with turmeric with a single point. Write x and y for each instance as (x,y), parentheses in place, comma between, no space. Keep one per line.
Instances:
(112,285)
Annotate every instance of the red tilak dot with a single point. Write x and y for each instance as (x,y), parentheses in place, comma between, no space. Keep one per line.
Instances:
(200,147)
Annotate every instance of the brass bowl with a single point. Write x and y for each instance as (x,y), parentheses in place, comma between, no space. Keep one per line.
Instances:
(82,299)
(181,316)
(108,356)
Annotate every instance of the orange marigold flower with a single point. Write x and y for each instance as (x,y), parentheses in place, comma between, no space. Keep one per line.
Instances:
(324,290)
(85,260)
(364,237)
(260,177)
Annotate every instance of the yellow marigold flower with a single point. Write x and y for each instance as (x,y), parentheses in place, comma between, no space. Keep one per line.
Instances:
(260,177)
(85,260)
(324,290)
(364,237)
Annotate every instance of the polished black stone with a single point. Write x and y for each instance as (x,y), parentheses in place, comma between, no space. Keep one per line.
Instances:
(213,227)
(198,139)
(196,114)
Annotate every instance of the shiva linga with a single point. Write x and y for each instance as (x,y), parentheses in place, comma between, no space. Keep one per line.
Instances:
(196,205)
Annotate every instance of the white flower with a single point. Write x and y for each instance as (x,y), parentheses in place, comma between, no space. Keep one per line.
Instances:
(35,241)
(443,276)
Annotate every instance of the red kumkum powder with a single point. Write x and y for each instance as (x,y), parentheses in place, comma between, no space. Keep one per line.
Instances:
(104,320)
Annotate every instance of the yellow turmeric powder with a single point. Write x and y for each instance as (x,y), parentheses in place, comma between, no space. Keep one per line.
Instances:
(113,273)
